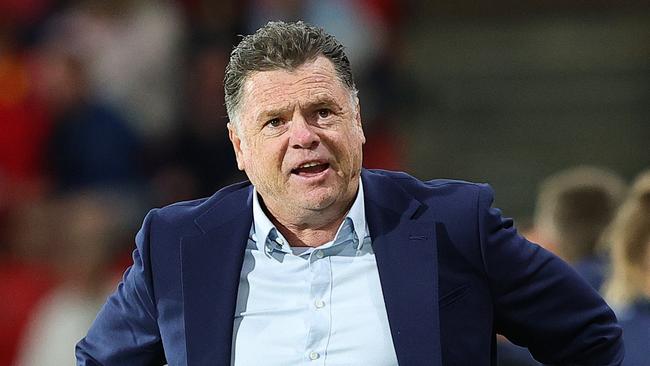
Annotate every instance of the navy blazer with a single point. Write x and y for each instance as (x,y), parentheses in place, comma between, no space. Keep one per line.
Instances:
(452,270)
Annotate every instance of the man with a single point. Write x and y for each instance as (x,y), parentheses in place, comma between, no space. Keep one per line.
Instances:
(318,261)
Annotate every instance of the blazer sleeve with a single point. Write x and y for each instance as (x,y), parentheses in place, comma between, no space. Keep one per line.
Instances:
(125,331)
(542,303)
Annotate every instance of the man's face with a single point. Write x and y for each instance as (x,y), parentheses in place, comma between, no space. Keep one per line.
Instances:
(300,137)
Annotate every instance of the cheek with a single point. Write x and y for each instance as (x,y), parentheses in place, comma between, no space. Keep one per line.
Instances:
(264,160)
(348,151)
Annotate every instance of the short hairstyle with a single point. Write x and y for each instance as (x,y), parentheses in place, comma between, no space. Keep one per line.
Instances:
(280,45)
(575,206)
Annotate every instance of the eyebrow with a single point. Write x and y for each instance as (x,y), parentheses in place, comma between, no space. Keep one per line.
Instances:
(318,101)
(269,113)
(322,100)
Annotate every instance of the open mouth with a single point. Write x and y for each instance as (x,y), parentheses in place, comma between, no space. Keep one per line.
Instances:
(310,169)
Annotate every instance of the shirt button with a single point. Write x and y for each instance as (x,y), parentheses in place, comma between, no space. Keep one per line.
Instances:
(319,304)
(319,254)
(314,356)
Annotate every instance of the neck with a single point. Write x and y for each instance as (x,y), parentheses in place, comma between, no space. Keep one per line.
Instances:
(309,228)
(309,235)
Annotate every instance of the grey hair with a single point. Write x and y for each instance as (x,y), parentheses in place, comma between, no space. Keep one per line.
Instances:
(280,45)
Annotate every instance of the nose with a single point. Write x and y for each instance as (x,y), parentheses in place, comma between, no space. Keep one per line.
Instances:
(302,134)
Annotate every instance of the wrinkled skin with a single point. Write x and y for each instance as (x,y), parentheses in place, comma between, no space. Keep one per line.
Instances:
(289,118)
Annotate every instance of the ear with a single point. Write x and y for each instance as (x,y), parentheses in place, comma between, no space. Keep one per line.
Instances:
(236,145)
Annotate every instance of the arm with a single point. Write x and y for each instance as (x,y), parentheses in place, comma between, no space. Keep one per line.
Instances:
(540,302)
(125,331)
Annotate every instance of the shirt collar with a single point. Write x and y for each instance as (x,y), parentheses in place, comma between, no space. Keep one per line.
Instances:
(263,227)
(357,214)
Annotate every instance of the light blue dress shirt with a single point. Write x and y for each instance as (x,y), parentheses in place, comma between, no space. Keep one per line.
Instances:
(311,306)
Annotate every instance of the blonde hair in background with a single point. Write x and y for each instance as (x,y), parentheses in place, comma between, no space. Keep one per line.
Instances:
(630,239)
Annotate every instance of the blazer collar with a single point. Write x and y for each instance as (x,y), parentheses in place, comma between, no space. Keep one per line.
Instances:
(211,264)
(406,254)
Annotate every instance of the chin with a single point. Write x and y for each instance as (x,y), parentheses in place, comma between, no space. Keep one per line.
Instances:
(317,200)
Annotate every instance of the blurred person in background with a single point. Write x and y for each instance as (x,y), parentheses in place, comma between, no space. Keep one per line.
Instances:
(91,144)
(574,207)
(84,240)
(26,272)
(573,210)
(317,259)
(24,123)
(131,54)
(628,286)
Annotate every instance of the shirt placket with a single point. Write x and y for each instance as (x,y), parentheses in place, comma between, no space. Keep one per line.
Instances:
(320,267)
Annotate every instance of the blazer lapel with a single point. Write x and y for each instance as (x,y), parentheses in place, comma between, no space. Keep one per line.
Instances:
(211,265)
(406,254)
(404,247)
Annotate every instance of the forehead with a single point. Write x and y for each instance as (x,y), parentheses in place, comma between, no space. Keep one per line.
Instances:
(313,80)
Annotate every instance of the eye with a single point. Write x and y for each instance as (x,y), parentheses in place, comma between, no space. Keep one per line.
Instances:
(275,122)
(324,113)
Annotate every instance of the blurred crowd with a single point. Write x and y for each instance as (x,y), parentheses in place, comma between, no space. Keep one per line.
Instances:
(110,108)
(591,218)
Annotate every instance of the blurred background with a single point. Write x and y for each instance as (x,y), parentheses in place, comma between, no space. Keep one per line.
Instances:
(108,109)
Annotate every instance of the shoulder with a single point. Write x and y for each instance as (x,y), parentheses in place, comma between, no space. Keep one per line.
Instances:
(185,213)
(452,190)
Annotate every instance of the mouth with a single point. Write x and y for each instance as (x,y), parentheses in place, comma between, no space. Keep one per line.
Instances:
(310,169)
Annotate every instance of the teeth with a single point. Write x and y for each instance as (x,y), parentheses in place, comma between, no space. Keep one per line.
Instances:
(308,165)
